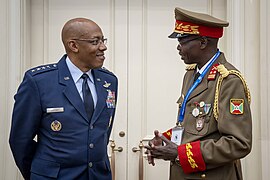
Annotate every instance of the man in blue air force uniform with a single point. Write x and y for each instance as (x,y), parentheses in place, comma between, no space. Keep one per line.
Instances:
(70,106)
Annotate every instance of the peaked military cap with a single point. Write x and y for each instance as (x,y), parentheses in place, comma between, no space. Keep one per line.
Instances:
(188,22)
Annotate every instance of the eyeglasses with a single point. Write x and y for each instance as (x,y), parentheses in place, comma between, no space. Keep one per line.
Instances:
(181,43)
(94,42)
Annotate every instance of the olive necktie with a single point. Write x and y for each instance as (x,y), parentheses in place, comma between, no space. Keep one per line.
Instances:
(196,76)
(87,97)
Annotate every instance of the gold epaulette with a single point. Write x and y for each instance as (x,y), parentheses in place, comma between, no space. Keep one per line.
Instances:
(224,72)
(191,67)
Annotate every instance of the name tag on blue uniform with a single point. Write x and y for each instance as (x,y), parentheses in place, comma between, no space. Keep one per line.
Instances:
(55,110)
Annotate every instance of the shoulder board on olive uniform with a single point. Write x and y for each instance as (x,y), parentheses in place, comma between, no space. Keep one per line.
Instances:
(224,73)
(103,69)
(191,67)
(42,69)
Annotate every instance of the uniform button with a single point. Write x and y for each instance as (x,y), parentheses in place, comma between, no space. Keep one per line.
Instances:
(91,145)
(203,176)
(90,164)
(91,127)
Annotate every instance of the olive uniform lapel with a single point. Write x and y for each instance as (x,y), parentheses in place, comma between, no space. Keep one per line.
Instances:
(203,86)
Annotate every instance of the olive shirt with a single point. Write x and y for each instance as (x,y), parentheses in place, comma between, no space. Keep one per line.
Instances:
(222,142)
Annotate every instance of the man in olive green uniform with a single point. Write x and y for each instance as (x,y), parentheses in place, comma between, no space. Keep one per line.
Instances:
(214,127)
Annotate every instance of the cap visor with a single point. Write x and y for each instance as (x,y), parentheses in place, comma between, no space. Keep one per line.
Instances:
(173,35)
(177,35)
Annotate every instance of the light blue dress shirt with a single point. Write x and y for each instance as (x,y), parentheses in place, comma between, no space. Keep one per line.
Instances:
(76,74)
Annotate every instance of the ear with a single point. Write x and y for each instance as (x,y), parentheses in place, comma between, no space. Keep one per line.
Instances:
(204,42)
(73,46)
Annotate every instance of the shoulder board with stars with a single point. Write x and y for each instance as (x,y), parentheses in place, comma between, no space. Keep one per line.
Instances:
(43,68)
(103,69)
(191,67)
(213,72)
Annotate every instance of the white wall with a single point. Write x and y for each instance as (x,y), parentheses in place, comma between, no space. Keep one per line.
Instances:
(10,73)
(264,88)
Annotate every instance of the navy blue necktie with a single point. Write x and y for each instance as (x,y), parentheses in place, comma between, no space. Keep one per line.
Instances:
(87,97)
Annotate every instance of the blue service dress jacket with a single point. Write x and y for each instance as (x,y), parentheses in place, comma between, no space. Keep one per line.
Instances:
(68,145)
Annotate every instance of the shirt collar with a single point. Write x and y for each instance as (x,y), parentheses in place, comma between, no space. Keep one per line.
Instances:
(203,68)
(76,73)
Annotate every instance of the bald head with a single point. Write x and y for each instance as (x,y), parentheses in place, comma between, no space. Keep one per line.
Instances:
(77,28)
(84,43)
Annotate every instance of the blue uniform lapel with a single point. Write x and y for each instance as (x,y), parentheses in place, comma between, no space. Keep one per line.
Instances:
(70,91)
(101,95)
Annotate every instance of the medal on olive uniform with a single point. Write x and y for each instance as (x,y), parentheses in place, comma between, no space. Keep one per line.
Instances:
(199,123)
(195,112)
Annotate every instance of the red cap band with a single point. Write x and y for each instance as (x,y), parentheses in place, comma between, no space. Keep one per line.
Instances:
(183,27)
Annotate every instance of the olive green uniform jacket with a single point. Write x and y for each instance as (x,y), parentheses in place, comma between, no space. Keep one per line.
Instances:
(222,141)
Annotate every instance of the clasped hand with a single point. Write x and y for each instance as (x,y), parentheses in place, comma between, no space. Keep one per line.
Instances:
(160,148)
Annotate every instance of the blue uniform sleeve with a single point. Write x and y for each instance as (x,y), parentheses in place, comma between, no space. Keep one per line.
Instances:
(26,116)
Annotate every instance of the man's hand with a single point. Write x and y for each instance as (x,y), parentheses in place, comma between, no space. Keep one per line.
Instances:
(156,150)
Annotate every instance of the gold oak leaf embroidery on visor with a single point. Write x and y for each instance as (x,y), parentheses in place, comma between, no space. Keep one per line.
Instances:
(180,28)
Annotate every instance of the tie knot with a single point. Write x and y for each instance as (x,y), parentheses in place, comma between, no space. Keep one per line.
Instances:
(85,76)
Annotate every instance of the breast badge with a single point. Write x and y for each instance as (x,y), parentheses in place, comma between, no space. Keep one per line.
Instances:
(56,125)
(106,85)
(199,123)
